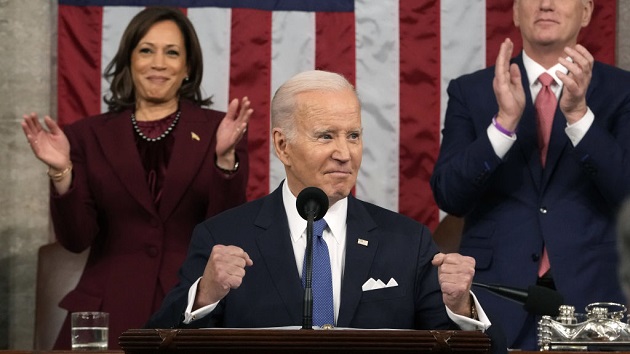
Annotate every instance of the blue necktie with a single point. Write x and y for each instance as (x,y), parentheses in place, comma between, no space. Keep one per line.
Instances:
(323,310)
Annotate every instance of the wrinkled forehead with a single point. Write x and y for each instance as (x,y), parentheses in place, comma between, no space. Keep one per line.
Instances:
(328,105)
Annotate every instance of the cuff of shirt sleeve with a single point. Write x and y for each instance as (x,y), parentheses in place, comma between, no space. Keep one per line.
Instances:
(189,314)
(467,323)
(577,130)
(500,142)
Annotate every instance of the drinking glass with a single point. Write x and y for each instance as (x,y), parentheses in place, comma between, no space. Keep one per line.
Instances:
(89,330)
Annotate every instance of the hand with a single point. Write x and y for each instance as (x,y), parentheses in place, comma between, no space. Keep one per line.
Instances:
(231,131)
(573,100)
(50,146)
(224,271)
(508,88)
(455,274)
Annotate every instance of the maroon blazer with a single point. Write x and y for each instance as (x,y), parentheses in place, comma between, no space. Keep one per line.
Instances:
(136,248)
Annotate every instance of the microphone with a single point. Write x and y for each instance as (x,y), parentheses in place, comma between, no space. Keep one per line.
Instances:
(312,204)
(537,300)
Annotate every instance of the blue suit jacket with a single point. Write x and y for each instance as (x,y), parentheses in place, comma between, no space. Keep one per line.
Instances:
(512,206)
(271,292)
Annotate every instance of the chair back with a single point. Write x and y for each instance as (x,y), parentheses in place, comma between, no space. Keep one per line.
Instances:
(58,272)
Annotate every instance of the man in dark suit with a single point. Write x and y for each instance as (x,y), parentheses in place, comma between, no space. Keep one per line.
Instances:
(244,265)
(539,208)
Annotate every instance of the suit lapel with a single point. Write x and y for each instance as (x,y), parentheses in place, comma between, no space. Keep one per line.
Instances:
(358,259)
(187,156)
(114,134)
(276,250)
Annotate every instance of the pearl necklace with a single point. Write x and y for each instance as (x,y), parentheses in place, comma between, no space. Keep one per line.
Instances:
(162,136)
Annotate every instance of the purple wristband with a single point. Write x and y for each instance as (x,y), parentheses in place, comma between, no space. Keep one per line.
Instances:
(500,128)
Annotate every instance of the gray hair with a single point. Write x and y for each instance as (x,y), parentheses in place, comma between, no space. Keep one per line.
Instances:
(623,246)
(284,105)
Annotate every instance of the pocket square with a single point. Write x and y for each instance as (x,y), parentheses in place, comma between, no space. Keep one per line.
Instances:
(372,284)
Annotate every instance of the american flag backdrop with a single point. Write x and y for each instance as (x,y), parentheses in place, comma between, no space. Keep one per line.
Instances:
(400,54)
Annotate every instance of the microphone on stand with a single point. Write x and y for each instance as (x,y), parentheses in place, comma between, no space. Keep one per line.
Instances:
(312,204)
(538,300)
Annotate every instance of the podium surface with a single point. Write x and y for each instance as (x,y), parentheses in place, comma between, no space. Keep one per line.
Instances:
(346,341)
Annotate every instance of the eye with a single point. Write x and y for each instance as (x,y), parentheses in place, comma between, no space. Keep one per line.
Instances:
(172,53)
(325,136)
(354,136)
(145,50)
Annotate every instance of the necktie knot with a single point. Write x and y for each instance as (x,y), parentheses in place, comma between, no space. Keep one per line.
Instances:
(318,227)
(545,79)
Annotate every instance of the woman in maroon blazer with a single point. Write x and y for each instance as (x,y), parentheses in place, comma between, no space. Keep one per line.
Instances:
(132,183)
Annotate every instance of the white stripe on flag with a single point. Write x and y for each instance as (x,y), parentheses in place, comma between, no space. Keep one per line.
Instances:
(463,44)
(377,82)
(292,51)
(213,26)
(463,41)
(115,20)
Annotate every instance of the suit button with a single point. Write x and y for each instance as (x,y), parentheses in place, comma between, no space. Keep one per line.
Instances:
(535,257)
(543,210)
(152,251)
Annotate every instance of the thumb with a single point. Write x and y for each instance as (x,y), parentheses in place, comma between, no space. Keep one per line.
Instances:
(438,259)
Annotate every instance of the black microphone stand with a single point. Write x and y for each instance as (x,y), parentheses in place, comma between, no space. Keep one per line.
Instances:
(307,320)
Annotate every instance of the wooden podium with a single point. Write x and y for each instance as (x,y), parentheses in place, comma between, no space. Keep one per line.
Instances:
(346,341)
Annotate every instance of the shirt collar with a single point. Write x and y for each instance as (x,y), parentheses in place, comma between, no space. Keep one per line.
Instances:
(335,217)
(534,70)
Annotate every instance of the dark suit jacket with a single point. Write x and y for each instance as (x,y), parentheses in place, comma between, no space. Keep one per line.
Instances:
(512,205)
(136,248)
(271,292)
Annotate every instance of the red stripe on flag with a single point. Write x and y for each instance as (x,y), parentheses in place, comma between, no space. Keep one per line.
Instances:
(250,75)
(600,37)
(499,26)
(335,43)
(79,62)
(419,108)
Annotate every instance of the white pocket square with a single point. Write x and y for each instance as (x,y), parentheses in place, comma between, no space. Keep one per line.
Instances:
(372,284)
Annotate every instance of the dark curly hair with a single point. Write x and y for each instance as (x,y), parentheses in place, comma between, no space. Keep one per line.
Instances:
(118,71)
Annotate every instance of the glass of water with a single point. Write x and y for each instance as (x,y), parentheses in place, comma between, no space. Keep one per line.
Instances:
(89,330)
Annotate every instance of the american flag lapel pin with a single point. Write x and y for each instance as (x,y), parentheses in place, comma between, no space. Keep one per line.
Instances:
(194,136)
(362,242)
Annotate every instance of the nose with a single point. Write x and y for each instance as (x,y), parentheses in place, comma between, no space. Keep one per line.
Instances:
(342,151)
(158,61)
(546,4)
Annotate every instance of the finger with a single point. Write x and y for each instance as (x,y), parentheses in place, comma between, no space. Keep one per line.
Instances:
(585,53)
(52,125)
(238,253)
(438,259)
(503,58)
(245,111)
(573,64)
(31,122)
(515,75)
(232,109)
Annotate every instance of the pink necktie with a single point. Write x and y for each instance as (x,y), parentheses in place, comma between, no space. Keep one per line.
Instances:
(545,105)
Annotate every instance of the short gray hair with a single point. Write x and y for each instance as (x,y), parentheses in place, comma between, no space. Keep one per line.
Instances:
(623,246)
(284,105)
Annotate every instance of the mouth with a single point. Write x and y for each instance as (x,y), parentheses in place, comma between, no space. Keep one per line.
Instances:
(157,79)
(339,174)
(546,21)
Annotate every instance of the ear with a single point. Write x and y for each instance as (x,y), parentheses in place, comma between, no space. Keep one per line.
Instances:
(281,146)
(515,14)
(588,12)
